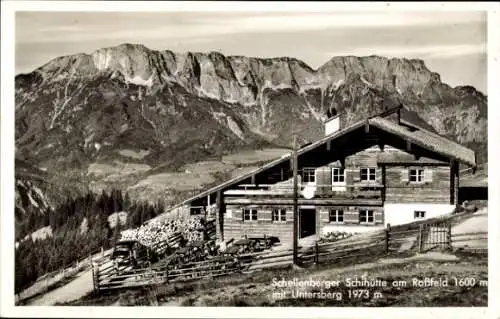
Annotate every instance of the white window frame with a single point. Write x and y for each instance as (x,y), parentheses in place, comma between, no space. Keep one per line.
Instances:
(368,212)
(306,171)
(279,215)
(419,214)
(370,172)
(338,172)
(336,213)
(252,214)
(419,175)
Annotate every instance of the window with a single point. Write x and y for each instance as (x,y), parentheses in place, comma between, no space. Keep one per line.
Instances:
(279,215)
(308,175)
(338,175)
(336,216)
(416,175)
(196,210)
(366,216)
(249,214)
(419,214)
(368,174)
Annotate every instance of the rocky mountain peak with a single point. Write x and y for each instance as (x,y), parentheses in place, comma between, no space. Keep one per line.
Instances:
(130,92)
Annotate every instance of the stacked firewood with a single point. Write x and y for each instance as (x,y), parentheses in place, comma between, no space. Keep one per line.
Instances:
(155,232)
(129,234)
(194,229)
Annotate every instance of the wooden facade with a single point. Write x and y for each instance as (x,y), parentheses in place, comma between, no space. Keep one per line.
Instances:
(350,180)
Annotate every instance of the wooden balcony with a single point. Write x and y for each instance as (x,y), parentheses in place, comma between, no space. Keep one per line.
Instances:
(358,194)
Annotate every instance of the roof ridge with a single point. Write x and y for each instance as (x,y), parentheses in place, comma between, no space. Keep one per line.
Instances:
(387,112)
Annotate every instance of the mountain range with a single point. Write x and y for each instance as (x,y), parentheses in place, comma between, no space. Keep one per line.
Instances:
(177,108)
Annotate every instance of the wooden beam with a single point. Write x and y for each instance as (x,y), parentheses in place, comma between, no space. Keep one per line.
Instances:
(457,181)
(342,161)
(219,216)
(367,127)
(253,180)
(328,145)
(295,202)
(383,183)
(408,145)
(302,201)
(453,199)
(381,145)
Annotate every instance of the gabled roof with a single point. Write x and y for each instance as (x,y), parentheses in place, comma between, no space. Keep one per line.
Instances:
(419,136)
(428,140)
(411,118)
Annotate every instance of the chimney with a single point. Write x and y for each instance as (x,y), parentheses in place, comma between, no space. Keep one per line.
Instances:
(332,124)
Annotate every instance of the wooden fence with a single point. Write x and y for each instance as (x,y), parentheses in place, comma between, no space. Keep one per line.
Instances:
(418,237)
(48,280)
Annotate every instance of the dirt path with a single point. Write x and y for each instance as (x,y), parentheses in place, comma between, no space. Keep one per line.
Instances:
(75,289)
(477,223)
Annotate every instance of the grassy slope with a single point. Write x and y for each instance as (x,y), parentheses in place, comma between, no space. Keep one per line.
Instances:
(154,183)
(257,289)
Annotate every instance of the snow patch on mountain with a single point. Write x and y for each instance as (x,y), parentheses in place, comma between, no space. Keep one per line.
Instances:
(42,233)
(138,80)
(233,126)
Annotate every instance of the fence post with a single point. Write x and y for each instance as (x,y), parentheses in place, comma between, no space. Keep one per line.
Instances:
(93,276)
(387,238)
(316,253)
(97,279)
(420,237)
(448,236)
(102,251)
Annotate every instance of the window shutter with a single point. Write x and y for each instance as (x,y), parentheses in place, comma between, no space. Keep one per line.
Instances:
(322,179)
(379,217)
(238,214)
(357,175)
(378,175)
(351,217)
(428,175)
(404,175)
(265,215)
(325,216)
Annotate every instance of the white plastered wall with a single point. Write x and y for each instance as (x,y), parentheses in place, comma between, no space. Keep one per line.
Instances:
(397,214)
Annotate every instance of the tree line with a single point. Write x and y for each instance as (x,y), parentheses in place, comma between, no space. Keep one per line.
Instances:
(70,242)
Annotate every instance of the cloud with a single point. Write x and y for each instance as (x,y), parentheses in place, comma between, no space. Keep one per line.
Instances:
(429,51)
(176,26)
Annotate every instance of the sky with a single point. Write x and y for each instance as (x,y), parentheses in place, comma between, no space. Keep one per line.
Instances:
(453,44)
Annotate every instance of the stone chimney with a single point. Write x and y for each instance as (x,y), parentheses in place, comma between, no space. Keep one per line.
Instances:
(332,123)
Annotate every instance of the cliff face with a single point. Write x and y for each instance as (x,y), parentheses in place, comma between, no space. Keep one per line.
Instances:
(189,106)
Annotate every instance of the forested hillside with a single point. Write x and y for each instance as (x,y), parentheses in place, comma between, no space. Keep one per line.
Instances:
(79,227)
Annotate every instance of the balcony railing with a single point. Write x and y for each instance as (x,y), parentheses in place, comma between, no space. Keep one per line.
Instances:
(358,190)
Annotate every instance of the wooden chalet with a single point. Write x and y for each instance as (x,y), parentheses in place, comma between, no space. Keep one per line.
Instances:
(391,168)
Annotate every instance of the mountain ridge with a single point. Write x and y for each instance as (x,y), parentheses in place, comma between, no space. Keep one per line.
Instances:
(181,108)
